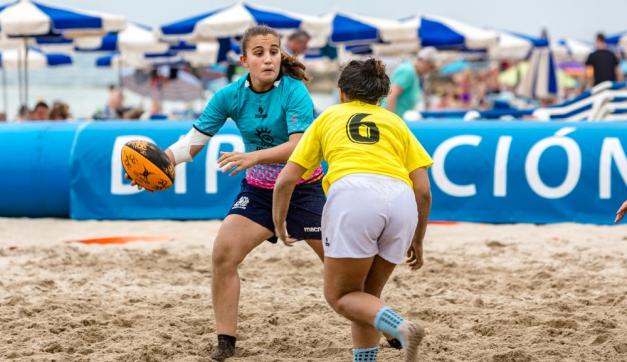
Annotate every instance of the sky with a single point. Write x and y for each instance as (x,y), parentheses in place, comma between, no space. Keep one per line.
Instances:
(578,19)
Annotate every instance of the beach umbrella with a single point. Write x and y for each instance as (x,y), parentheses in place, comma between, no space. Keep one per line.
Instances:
(441,32)
(137,60)
(618,40)
(135,38)
(134,42)
(202,55)
(235,19)
(12,59)
(37,59)
(29,19)
(540,81)
(571,49)
(174,85)
(25,18)
(349,28)
(513,46)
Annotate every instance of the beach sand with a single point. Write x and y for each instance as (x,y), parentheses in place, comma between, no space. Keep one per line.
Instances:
(486,293)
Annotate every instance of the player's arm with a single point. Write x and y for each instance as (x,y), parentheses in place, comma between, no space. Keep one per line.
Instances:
(422,192)
(217,111)
(238,161)
(283,189)
(187,146)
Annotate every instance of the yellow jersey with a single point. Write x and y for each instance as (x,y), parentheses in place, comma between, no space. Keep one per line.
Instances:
(357,137)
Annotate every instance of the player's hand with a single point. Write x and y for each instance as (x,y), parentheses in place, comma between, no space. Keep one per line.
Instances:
(414,256)
(133,183)
(236,161)
(281,233)
(621,212)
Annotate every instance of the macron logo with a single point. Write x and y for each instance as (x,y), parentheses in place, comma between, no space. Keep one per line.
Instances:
(312,229)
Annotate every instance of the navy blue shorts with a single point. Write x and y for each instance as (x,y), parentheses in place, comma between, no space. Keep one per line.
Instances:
(303,217)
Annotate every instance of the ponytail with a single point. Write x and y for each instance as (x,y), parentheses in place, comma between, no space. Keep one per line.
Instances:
(293,67)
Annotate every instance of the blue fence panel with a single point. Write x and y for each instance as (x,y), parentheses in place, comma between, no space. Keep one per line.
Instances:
(526,172)
(484,171)
(99,190)
(35,160)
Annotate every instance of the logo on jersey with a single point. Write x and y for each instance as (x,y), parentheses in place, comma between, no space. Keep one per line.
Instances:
(241,203)
(265,138)
(359,131)
(261,113)
(326,242)
(312,229)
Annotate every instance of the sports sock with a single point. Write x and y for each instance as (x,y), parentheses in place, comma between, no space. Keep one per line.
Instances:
(388,321)
(365,354)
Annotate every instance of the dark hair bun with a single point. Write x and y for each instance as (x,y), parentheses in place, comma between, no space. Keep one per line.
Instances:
(374,67)
(364,80)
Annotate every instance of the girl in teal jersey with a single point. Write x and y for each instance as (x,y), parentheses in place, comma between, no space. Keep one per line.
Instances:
(272,108)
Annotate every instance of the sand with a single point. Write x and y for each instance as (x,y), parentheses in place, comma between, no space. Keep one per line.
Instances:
(486,293)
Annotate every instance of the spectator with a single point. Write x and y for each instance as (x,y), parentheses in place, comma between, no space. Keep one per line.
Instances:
(406,91)
(60,111)
(114,109)
(23,112)
(297,43)
(40,112)
(3,117)
(603,62)
(133,113)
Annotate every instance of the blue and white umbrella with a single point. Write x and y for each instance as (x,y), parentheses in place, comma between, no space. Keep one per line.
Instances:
(135,38)
(441,32)
(30,18)
(137,60)
(571,49)
(10,59)
(350,28)
(618,40)
(514,46)
(540,81)
(235,19)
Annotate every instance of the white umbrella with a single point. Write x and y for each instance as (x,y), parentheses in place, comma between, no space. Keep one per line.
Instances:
(29,19)
(135,38)
(235,19)
(349,28)
(441,32)
(571,49)
(540,81)
(204,54)
(512,46)
(12,59)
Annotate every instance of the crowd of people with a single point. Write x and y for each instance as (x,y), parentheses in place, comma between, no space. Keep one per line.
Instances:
(418,84)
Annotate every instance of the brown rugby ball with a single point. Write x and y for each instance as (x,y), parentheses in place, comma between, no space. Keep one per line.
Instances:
(147,165)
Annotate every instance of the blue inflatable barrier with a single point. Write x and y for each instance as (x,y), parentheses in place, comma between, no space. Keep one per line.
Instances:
(490,171)
(35,160)
(99,190)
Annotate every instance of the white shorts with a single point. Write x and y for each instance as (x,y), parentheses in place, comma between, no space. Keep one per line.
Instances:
(367,215)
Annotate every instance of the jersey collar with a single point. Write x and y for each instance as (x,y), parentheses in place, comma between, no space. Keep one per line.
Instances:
(275,85)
